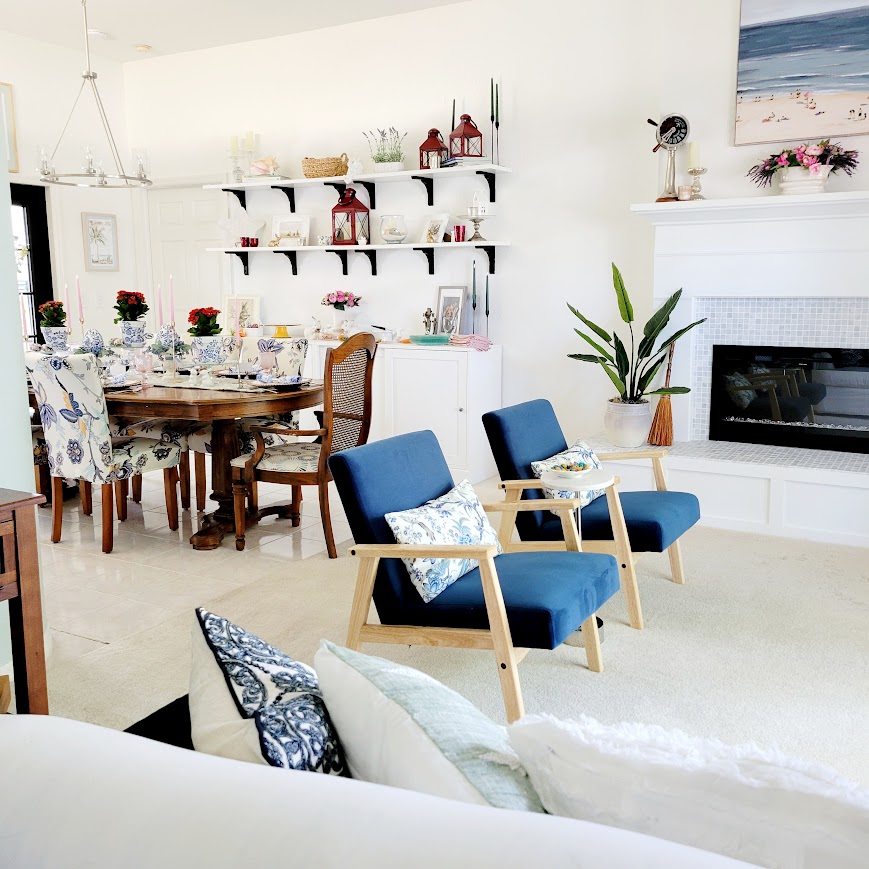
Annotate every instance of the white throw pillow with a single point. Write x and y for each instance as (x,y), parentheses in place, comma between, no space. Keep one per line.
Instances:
(402,728)
(251,702)
(578,451)
(455,518)
(740,801)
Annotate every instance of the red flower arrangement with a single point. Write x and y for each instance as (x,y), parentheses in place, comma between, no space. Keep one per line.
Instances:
(130,306)
(203,322)
(52,314)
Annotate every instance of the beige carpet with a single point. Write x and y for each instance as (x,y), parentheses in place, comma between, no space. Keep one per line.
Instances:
(768,641)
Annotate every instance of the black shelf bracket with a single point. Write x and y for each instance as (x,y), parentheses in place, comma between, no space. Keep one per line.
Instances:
(240,195)
(342,255)
(291,256)
(371,187)
(340,186)
(428,183)
(372,258)
(490,251)
(242,255)
(429,255)
(490,177)
(290,193)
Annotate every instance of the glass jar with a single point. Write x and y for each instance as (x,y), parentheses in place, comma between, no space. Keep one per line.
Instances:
(393,228)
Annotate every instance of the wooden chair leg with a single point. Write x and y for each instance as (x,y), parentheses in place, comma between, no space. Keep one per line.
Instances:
(122,491)
(108,518)
(85,492)
(239,496)
(136,489)
(676,567)
(508,672)
(625,558)
(56,508)
(253,495)
(365,577)
(170,484)
(43,480)
(296,507)
(326,516)
(199,468)
(591,641)
(184,474)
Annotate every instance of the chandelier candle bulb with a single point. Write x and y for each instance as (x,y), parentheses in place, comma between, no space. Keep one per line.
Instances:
(693,155)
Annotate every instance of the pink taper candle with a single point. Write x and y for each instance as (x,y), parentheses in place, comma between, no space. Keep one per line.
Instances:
(66,299)
(171,300)
(237,330)
(159,304)
(78,294)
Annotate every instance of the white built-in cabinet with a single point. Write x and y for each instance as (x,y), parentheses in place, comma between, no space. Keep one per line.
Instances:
(446,390)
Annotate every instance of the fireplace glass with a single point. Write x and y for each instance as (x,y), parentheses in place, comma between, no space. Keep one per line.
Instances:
(791,396)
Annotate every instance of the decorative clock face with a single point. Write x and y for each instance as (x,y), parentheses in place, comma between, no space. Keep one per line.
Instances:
(673,130)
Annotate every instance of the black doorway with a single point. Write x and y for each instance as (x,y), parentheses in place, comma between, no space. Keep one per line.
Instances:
(33,252)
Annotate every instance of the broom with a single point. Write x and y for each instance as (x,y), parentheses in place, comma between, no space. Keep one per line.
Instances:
(661,432)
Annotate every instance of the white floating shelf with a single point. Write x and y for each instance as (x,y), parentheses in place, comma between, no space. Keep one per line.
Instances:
(405,174)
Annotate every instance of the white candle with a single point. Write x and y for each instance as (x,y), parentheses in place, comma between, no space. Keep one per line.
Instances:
(78,294)
(159,304)
(693,155)
(233,146)
(171,300)
(248,141)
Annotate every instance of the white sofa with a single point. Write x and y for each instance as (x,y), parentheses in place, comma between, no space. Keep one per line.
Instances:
(77,795)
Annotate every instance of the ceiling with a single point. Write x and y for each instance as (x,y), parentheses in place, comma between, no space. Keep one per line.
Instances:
(173,26)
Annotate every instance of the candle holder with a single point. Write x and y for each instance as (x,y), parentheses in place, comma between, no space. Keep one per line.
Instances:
(237,172)
(170,377)
(695,174)
(476,219)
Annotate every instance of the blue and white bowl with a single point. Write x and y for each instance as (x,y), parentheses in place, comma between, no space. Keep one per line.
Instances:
(212,350)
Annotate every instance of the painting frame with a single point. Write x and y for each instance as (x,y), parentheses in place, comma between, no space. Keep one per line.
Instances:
(448,313)
(100,233)
(290,230)
(434,228)
(228,305)
(801,71)
(7,125)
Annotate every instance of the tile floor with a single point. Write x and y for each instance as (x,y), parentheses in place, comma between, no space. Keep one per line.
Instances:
(91,598)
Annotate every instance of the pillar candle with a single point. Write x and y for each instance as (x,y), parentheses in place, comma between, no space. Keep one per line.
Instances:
(693,155)
(248,141)
(233,146)
(171,300)
(159,304)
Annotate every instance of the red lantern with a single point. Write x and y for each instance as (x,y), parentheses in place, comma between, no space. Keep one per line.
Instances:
(350,220)
(433,151)
(466,140)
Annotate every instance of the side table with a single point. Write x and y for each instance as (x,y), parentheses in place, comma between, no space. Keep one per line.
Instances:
(19,584)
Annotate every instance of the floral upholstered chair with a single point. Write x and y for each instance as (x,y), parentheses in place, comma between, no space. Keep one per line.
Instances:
(75,423)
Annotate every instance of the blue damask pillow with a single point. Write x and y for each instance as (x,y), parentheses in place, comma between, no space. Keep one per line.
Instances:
(455,518)
(249,701)
(578,451)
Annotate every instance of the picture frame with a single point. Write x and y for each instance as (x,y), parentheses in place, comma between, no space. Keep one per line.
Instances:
(249,311)
(7,125)
(448,318)
(434,228)
(100,236)
(290,230)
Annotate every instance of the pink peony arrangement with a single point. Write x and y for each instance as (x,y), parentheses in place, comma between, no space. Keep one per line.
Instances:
(811,157)
(341,300)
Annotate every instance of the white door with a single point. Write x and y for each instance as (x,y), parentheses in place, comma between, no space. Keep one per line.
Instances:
(428,390)
(182,223)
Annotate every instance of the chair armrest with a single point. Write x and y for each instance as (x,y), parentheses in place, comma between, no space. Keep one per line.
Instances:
(521,484)
(538,504)
(424,550)
(617,456)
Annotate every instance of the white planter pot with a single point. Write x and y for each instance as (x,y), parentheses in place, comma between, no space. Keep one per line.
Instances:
(211,350)
(389,167)
(133,333)
(627,425)
(796,180)
(55,337)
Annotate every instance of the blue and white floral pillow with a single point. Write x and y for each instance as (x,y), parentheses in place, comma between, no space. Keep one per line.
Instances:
(579,451)
(455,518)
(272,713)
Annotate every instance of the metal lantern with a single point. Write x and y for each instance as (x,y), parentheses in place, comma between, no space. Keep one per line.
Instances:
(433,151)
(350,220)
(466,140)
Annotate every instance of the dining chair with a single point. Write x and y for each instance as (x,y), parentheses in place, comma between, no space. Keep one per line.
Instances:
(40,461)
(652,521)
(75,421)
(346,421)
(509,603)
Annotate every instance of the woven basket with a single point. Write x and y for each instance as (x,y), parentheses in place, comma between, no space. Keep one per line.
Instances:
(324,167)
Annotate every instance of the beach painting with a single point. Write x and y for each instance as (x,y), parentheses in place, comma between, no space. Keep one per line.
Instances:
(803,70)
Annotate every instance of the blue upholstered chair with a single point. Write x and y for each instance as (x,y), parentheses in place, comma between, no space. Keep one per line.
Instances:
(654,521)
(509,603)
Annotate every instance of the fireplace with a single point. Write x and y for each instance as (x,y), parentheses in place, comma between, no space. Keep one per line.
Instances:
(815,397)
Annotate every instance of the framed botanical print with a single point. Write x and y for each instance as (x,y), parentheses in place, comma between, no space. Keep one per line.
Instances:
(449,310)
(7,125)
(248,311)
(100,233)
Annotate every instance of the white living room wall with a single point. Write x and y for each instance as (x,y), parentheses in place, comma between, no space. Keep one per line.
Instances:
(44,81)
(575,93)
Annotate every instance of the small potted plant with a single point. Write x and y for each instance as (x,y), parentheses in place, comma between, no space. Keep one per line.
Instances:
(207,345)
(52,322)
(131,308)
(806,168)
(387,150)
(629,416)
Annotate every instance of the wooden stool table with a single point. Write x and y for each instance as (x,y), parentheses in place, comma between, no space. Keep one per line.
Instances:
(19,584)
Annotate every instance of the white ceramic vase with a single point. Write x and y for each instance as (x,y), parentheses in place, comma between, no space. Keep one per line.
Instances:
(397,166)
(133,333)
(627,425)
(55,337)
(797,179)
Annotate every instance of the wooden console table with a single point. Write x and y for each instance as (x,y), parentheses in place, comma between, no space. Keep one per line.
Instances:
(19,584)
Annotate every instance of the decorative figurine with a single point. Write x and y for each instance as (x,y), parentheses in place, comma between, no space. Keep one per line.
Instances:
(428,318)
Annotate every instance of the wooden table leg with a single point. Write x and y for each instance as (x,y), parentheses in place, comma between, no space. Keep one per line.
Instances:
(224,448)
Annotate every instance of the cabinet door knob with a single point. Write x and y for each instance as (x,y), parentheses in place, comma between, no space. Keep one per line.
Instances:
(461,410)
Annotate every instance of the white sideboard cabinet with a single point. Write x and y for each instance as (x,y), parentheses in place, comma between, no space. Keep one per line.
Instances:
(445,389)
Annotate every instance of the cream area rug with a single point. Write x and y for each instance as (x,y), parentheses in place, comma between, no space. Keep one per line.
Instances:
(768,642)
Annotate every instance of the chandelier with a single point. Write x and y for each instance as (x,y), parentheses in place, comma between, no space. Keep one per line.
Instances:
(92,174)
